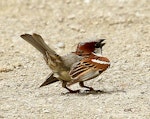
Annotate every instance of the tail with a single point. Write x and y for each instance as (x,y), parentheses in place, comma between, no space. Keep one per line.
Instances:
(53,60)
(38,42)
(50,55)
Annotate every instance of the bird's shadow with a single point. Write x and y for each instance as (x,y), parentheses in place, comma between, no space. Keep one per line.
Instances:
(95,92)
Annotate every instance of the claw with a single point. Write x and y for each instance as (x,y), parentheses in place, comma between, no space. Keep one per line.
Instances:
(74,91)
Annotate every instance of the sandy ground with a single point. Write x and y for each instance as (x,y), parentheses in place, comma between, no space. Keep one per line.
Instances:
(125,24)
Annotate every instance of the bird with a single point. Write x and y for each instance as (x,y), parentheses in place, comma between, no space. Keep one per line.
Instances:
(79,66)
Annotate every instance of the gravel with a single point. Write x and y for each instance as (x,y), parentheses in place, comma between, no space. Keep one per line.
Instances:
(62,24)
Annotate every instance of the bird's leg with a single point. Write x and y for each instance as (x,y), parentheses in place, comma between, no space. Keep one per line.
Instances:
(64,83)
(82,85)
(90,88)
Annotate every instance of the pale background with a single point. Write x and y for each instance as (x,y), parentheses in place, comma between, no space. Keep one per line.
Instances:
(126,26)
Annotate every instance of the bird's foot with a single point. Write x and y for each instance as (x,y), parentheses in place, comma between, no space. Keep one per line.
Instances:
(74,91)
(94,91)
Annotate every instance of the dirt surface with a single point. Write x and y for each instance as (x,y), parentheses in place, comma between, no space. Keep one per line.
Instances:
(126,26)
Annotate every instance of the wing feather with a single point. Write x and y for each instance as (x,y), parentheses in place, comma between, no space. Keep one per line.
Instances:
(88,68)
(82,71)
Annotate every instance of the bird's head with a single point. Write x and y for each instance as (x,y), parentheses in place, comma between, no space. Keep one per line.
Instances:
(86,48)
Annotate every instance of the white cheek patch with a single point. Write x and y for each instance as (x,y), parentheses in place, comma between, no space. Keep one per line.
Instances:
(97,52)
(100,62)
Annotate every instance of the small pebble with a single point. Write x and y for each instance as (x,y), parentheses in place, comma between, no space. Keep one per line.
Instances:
(60,45)
(87,1)
(60,18)
(72,16)
(45,111)
(74,27)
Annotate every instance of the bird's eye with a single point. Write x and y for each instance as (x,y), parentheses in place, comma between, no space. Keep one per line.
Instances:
(97,45)
(100,44)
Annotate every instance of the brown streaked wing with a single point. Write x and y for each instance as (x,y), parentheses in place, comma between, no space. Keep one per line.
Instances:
(82,71)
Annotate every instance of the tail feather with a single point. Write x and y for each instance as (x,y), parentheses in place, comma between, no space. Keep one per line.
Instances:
(50,79)
(40,40)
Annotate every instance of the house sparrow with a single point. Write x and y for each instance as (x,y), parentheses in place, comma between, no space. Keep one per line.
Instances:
(74,67)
